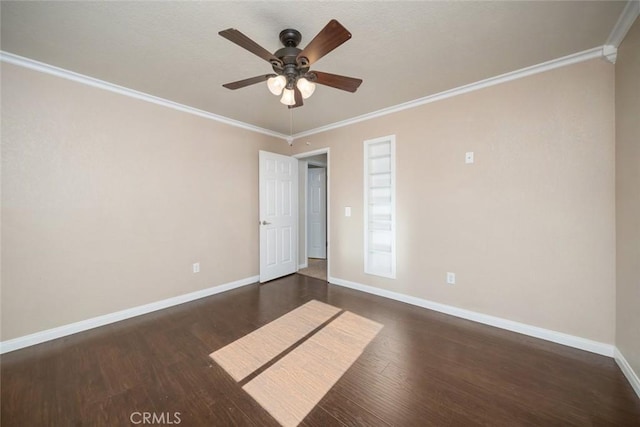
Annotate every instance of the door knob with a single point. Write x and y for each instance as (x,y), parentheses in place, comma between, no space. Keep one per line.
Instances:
(265,223)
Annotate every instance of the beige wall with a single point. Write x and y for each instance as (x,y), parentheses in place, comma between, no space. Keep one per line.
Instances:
(528,229)
(107,201)
(628,197)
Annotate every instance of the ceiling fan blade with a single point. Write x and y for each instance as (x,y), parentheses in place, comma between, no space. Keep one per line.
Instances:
(329,38)
(247,82)
(241,40)
(297,97)
(350,84)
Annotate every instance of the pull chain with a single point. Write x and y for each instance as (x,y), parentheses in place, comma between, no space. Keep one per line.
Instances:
(290,138)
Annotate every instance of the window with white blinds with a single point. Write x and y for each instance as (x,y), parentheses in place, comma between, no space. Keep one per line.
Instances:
(380,206)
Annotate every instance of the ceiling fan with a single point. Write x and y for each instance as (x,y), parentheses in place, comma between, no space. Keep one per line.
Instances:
(293,78)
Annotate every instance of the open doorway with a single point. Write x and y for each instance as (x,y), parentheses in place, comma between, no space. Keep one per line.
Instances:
(313,184)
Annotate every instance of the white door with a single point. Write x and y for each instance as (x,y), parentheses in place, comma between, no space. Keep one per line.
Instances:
(317,213)
(278,215)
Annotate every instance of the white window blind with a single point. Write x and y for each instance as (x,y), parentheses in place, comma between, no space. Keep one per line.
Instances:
(380,206)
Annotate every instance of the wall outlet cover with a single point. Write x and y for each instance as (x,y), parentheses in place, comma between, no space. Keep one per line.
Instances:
(468,157)
(451,278)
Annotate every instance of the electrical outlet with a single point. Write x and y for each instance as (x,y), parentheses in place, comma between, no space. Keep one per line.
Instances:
(196,267)
(468,157)
(451,278)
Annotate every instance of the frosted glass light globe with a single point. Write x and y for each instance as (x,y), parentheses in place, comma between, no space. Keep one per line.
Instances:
(276,84)
(288,97)
(306,87)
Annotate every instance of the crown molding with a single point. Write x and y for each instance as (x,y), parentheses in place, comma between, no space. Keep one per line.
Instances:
(31,64)
(608,52)
(625,21)
(597,52)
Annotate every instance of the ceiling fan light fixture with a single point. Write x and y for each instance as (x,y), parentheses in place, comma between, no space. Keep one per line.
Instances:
(288,97)
(306,87)
(276,84)
(292,77)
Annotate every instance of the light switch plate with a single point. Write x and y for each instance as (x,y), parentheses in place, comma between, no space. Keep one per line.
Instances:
(347,211)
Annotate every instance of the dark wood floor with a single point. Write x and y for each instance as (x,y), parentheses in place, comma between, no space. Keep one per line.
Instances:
(423,368)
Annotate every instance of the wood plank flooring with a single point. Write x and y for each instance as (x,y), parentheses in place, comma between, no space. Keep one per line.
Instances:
(424,368)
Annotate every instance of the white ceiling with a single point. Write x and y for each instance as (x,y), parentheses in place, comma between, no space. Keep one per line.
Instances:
(402,50)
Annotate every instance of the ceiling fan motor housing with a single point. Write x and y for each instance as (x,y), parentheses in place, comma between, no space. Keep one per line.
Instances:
(292,70)
(290,37)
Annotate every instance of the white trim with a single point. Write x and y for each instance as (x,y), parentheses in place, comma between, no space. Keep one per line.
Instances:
(610,53)
(94,322)
(10,58)
(628,371)
(328,213)
(391,141)
(624,23)
(492,81)
(299,156)
(316,163)
(305,265)
(305,173)
(498,322)
(597,52)
(306,154)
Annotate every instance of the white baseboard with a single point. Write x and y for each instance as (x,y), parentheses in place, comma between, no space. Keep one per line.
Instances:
(498,322)
(305,265)
(628,371)
(83,325)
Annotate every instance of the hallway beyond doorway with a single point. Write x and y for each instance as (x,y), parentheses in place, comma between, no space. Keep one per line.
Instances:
(317,268)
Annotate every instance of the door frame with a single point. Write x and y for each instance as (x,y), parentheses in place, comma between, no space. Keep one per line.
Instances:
(319,168)
(303,170)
